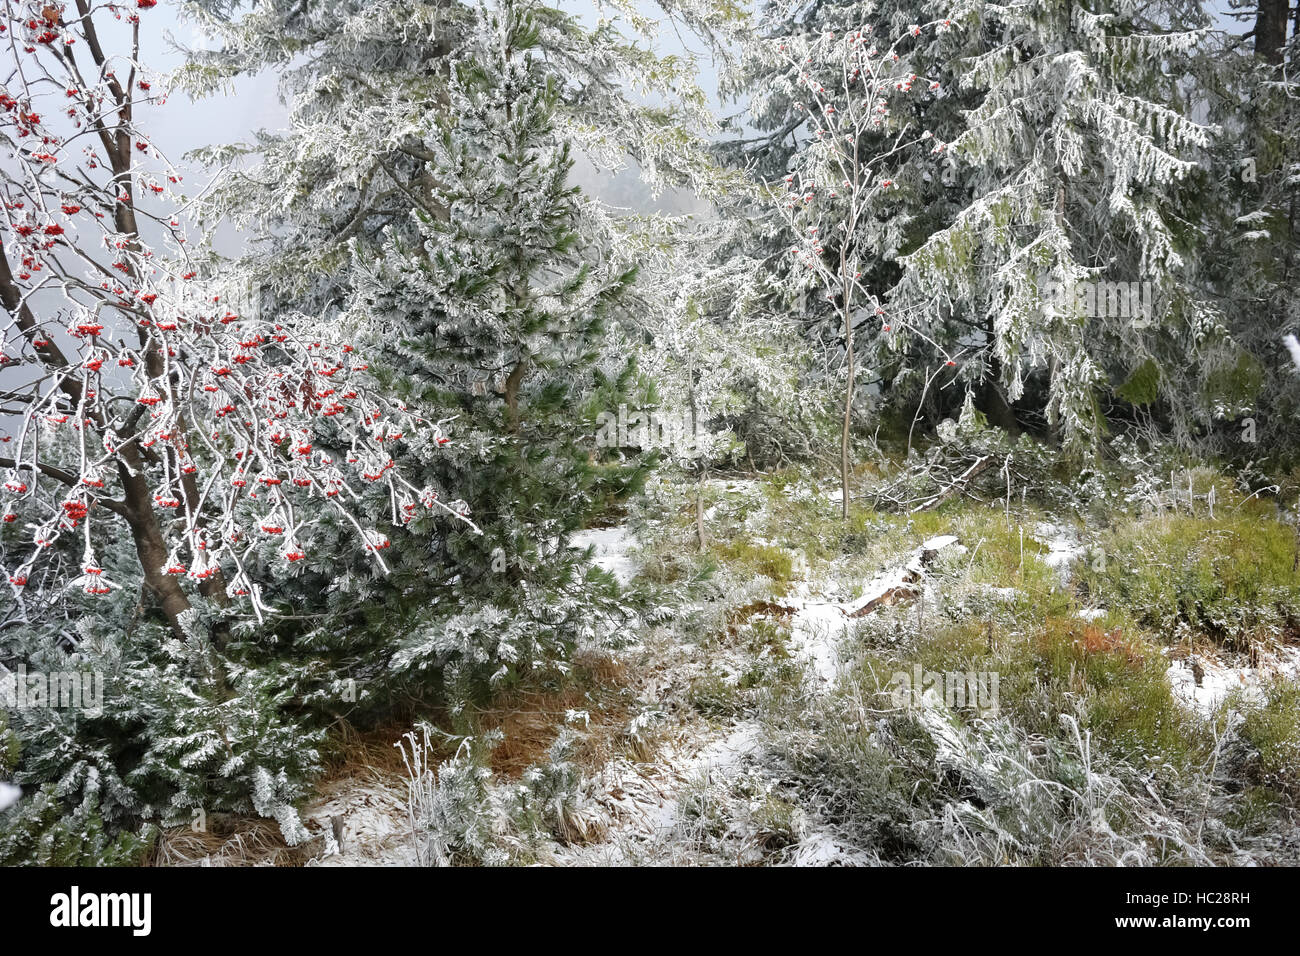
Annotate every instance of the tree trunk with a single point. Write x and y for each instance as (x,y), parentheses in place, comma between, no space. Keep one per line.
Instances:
(700,538)
(150,547)
(993,403)
(1270,29)
(513,382)
(847,303)
(848,420)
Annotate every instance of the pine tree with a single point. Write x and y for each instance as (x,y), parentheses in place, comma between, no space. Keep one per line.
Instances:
(497,310)
(421,200)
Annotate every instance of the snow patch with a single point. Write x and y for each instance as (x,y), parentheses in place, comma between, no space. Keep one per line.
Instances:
(938,543)
(613,550)
(376,827)
(822,849)
(818,627)
(641,800)
(1064,547)
(719,761)
(1218,679)
(815,632)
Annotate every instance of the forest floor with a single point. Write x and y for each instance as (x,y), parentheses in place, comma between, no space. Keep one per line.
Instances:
(976,683)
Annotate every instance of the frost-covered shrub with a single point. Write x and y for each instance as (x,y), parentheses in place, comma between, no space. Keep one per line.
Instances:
(181,727)
(1270,736)
(927,785)
(553,794)
(1230,578)
(452,817)
(42,831)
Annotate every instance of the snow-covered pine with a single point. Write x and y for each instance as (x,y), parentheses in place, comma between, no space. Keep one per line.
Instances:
(499,306)
(442,231)
(1065,154)
(360,78)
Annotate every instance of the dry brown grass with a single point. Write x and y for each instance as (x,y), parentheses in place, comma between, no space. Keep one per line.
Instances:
(531,721)
(531,718)
(354,753)
(599,667)
(229,841)
(1094,640)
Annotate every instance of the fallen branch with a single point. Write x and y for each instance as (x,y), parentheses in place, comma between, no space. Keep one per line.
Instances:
(958,484)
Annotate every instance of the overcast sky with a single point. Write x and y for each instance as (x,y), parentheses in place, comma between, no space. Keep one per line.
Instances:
(182,125)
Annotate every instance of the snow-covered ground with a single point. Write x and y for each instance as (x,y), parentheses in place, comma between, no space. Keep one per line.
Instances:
(816,632)
(614,550)
(376,828)
(1064,547)
(641,802)
(819,625)
(1219,679)
(649,809)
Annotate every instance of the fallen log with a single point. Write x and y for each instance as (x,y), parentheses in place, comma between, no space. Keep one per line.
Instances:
(905,584)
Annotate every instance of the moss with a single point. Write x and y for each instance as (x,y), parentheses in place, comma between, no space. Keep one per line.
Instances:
(1238,384)
(1142,387)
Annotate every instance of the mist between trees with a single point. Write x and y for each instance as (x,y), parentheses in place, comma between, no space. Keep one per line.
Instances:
(339,468)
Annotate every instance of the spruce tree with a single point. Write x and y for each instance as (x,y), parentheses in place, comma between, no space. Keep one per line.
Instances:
(1069,155)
